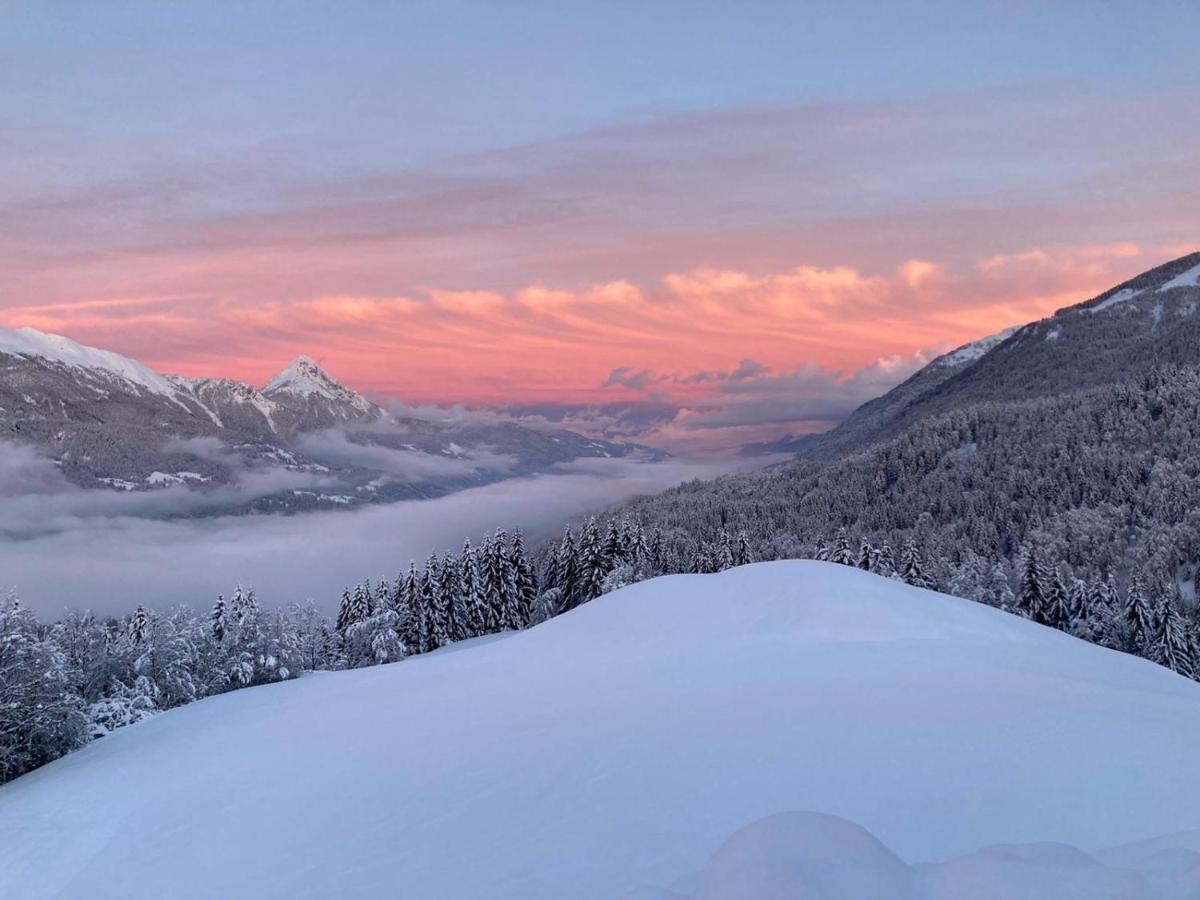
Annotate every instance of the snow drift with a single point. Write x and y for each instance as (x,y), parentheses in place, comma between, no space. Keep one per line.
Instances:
(620,745)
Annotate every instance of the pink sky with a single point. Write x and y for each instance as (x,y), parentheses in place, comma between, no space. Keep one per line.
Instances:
(765,345)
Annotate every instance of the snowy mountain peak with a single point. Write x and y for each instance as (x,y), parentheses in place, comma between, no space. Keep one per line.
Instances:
(56,348)
(305,380)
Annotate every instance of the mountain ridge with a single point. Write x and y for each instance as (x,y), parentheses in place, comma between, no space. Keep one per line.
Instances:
(107,421)
(1100,340)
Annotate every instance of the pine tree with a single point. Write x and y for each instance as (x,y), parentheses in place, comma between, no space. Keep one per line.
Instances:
(138,626)
(657,552)
(866,556)
(1082,623)
(216,619)
(344,616)
(495,579)
(1031,599)
(1057,613)
(742,554)
(408,603)
(1138,616)
(723,557)
(613,545)
(912,568)
(525,589)
(566,571)
(360,604)
(842,554)
(444,582)
(593,564)
(821,551)
(471,585)
(425,606)
(1172,645)
(885,562)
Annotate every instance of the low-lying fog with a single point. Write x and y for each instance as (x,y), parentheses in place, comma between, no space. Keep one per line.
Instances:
(66,547)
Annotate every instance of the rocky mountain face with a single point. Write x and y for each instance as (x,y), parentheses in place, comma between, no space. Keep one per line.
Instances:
(1150,319)
(107,421)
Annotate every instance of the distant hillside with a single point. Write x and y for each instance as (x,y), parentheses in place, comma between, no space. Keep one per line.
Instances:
(1076,437)
(1145,321)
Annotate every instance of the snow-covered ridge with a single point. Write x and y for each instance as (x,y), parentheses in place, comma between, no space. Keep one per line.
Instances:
(304,378)
(970,352)
(1190,278)
(621,744)
(1108,302)
(29,342)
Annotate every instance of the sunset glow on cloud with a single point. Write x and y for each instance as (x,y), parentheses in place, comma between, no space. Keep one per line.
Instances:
(760,241)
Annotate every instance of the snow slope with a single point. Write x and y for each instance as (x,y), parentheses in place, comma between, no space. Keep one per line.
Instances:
(29,342)
(619,746)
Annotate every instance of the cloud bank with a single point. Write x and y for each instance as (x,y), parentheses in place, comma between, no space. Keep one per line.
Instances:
(64,547)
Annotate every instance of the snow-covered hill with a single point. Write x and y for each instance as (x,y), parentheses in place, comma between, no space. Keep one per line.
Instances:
(620,745)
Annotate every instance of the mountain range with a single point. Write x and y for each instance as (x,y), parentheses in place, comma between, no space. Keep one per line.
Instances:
(1149,319)
(303,441)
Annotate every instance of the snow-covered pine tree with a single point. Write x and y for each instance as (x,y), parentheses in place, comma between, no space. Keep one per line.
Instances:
(139,624)
(1171,644)
(427,606)
(216,619)
(820,549)
(885,561)
(566,571)
(471,585)
(382,598)
(524,587)
(408,607)
(1032,596)
(243,605)
(614,546)
(344,615)
(723,555)
(742,554)
(1082,623)
(912,567)
(866,556)
(1057,613)
(657,552)
(998,592)
(842,554)
(1138,617)
(360,603)
(593,563)
(446,629)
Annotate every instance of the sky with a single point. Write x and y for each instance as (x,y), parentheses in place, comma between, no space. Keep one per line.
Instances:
(702,222)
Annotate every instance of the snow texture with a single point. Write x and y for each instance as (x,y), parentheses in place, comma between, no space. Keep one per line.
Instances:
(304,378)
(789,856)
(1189,278)
(973,351)
(621,744)
(29,342)
(1119,297)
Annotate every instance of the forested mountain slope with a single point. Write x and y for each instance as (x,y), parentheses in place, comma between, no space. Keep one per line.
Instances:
(1148,320)
(1071,447)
